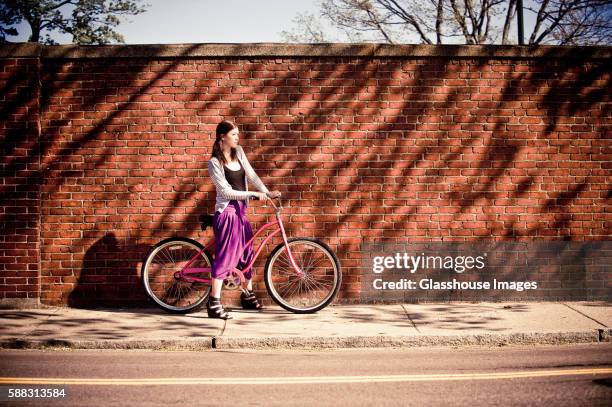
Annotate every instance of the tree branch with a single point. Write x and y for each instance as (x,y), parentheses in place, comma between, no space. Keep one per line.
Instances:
(407,17)
(508,21)
(556,20)
(461,21)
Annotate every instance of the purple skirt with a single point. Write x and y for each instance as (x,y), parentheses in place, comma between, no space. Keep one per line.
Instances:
(232,231)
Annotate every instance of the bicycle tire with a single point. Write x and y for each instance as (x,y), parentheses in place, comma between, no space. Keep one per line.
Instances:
(279,297)
(145,276)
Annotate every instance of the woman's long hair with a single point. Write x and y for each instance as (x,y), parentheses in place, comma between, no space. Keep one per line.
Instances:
(222,129)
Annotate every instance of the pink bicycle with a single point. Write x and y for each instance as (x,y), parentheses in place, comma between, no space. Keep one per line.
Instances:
(302,275)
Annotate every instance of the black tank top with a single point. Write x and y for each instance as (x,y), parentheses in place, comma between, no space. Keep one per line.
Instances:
(235,178)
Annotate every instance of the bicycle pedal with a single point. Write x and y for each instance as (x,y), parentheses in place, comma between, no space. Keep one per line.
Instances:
(233,282)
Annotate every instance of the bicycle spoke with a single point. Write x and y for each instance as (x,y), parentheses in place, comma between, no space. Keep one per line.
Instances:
(171,295)
(284,271)
(313,292)
(171,256)
(295,287)
(319,285)
(298,288)
(181,291)
(309,286)
(289,284)
(159,276)
(314,286)
(315,283)
(286,262)
(287,270)
(166,256)
(300,258)
(316,262)
(307,264)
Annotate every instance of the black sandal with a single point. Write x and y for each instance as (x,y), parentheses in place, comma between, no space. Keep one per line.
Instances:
(249,301)
(215,309)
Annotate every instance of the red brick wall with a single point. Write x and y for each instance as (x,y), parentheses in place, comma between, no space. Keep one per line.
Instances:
(103,156)
(20,180)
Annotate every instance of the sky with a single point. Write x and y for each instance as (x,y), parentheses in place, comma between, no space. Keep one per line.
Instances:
(217,21)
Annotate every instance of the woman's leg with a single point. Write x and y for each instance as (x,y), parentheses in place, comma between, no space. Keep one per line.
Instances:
(226,227)
(215,290)
(247,254)
(248,299)
(248,284)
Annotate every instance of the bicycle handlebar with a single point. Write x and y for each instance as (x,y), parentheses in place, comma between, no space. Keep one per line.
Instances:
(280,202)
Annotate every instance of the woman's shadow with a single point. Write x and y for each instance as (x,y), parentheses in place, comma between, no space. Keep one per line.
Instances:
(110,276)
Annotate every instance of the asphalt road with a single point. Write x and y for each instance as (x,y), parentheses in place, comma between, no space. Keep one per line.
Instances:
(569,375)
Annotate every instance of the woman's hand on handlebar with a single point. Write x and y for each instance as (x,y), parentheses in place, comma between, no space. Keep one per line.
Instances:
(265,195)
(274,194)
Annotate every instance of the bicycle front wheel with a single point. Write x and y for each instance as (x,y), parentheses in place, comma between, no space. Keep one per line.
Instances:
(174,294)
(315,288)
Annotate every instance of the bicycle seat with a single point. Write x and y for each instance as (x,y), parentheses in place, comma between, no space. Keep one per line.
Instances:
(206,220)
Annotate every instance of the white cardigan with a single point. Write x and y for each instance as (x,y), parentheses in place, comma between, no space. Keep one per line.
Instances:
(225,192)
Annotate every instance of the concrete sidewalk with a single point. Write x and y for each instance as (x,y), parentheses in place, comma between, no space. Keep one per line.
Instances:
(341,326)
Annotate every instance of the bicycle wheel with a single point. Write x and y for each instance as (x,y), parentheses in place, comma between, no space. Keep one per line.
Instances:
(168,292)
(312,291)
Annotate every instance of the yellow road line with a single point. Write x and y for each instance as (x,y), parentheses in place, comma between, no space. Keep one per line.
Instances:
(303,380)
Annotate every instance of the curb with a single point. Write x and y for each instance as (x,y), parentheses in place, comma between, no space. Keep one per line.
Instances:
(549,338)
(151,344)
(296,343)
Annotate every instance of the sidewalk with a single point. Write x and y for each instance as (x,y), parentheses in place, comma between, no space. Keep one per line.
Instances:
(341,326)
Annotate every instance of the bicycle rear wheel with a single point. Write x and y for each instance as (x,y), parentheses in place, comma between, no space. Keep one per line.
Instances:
(173,294)
(316,288)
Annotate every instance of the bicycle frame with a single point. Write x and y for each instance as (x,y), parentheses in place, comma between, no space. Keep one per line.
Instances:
(186,271)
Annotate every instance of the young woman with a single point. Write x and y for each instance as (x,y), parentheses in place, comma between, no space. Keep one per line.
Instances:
(230,170)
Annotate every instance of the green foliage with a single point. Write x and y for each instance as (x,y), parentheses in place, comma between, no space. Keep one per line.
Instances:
(88,21)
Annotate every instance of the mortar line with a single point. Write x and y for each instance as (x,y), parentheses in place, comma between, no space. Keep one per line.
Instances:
(410,319)
(585,315)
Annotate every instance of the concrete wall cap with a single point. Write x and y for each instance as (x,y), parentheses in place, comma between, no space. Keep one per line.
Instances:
(275,50)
